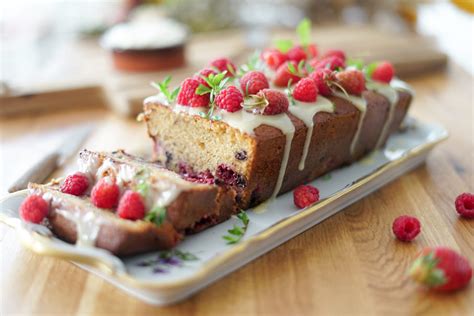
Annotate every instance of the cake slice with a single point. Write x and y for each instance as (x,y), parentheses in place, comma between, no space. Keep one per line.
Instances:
(173,207)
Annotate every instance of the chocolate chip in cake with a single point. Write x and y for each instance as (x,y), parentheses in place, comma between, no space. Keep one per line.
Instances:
(241,155)
(169,157)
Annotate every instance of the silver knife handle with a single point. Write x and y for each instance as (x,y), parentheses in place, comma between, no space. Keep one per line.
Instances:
(37,173)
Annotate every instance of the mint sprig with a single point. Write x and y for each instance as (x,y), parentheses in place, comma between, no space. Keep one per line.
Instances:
(156,215)
(299,70)
(283,45)
(237,232)
(253,63)
(163,87)
(215,84)
(304,32)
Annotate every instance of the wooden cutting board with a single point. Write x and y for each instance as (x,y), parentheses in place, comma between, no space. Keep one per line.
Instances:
(101,85)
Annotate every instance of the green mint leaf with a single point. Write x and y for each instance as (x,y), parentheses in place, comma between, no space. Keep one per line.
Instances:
(356,63)
(369,69)
(326,177)
(304,32)
(175,93)
(167,81)
(301,66)
(292,69)
(283,45)
(156,215)
(202,89)
(237,232)
(185,256)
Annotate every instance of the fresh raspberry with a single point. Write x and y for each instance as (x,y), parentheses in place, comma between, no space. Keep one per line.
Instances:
(224,64)
(312,51)
(75,184)
(305,90)
(230,99)
(283,75)
(322,77)
(305,195)
(406,228)
(296,54)
(273,58)
(188,96)
(34,209)
(131,206)
(331,62)
(465,205)
(204,73)
(383,72)
(335,53)
(277,101)
(105,194)
(352,80)
(253,81)
(441,269)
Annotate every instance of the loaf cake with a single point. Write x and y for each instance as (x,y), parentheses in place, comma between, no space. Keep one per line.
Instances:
(277,123)
(184,207)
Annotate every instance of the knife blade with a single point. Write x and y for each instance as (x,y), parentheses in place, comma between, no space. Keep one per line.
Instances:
(41,170)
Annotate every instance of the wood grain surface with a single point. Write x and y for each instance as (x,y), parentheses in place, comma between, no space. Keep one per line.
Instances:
(348,265)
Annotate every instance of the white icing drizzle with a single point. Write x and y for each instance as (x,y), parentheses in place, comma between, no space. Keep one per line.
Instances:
(361,105)
(246,122)
(87,225)
(159,98)
(306,112)
(402,85)
(392,96)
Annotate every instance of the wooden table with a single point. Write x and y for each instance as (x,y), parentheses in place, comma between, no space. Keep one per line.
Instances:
(348,265)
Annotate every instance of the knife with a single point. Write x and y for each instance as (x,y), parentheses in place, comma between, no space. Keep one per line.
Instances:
(41,170)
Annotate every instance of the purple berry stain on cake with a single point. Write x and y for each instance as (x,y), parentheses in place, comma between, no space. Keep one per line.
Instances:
(226,175)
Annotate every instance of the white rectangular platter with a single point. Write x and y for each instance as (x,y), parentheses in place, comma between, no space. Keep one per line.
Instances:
(166,277)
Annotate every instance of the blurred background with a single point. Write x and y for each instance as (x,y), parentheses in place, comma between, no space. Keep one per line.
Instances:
(78,56)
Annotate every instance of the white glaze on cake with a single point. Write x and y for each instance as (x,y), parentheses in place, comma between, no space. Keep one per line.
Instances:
(361,104)
(246,122)
(87,225)
(306,112)
(392,96)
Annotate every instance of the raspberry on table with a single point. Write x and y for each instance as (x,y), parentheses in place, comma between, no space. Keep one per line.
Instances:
(105,193)
(352,80)
(230,99)
(383,72)
(273,58)
(331,62)
(131,206)
(296,54)
(305,90)
(75,184)
(34,209)
(283,75)
(187,95)
(322,77)
(253,81)
(406,228)
(224,64)
(305,195)
(465,205)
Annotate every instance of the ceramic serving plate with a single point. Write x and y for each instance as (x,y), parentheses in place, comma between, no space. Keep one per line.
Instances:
(167,277)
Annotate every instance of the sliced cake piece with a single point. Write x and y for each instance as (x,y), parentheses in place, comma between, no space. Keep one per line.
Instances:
(168,206)
(76,220)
